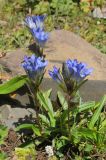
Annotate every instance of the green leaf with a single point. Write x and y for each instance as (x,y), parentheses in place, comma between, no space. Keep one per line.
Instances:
(28,151)
(62,100)
(34,127)
(47,105)
(3,156)
(44,119)
(88,148)
(21,2)
(13,84)
(103,126)
(59,143)
(48,93)
(64,116)
(85,106)
(87,133)
(97,113)
(36,130)
(65,138)
(3,133)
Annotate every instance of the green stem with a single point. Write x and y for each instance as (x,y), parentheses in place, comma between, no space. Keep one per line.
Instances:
(68,97)
(41,51)
(35,101)
(70,106)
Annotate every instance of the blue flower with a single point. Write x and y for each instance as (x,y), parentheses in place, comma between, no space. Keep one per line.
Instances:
(35,22)
(36,26)
(78,70)
(40,37)
(55,74)
(34,66)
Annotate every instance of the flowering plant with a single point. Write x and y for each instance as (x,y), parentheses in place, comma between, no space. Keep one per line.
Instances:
(67,127)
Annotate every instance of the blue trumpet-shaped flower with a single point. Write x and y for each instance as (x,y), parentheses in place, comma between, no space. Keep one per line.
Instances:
(34,66)
(55,74)
(35,22)
(78,70)
(40,37)
(36,26)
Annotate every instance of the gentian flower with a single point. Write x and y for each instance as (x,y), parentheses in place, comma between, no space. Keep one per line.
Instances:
(78,71)
(55,74)
(35,22)
(36,26)
(34,66)
(40,37)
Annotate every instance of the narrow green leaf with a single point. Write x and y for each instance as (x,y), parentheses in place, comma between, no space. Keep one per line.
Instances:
(85,106)
(48,93)
(36,130)
(34,127)
(103,126)
(12,85)
(64,116)
(62,100)
(44,119)
(3,133)
(65,138)
(88,148)
(45,102)
(3,156)
(97,113)
(47,105)
(87,133)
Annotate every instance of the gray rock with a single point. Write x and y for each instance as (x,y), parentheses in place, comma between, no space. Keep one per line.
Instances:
(11,116)
(104,12)
(12,62)
(97,13)
(3,23)
(5,111)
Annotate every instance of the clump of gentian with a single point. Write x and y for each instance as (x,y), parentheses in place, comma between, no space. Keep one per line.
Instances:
(73,75)
(36,26)
(34,68)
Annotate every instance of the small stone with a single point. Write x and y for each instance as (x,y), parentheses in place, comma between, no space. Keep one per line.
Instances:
(5,111)
(104,12)
(3,23)
(97,13)
(32,112)
(11,116)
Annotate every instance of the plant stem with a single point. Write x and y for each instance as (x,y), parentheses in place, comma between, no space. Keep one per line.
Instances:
(68,97)
(35,101)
